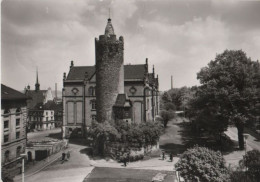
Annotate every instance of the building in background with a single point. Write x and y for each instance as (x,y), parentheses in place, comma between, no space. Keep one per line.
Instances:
(38,96)
(13,117)
(110,89)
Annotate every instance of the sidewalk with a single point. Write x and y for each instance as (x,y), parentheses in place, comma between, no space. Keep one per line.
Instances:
(154,164)
(32,169)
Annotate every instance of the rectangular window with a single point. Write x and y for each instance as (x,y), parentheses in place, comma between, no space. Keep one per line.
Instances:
(17,134)
(6,138)
(47,118)
(17,122)
(93,104)
(6,124)
(47,113)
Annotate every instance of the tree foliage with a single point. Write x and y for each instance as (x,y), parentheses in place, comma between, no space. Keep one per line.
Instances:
(134,135)
(202,164)
(252,162)
(230,87)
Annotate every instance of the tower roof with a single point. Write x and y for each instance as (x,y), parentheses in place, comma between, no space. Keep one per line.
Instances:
(37,84)
(109,28)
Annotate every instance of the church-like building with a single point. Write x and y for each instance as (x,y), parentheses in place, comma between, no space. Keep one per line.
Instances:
(109,90)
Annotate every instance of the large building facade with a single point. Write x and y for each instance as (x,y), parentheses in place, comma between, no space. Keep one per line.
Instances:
(13,116)
(109,90)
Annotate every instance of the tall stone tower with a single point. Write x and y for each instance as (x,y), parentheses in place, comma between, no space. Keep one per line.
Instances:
(109,72)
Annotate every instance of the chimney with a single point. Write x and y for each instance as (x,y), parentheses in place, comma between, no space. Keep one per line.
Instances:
(56,90)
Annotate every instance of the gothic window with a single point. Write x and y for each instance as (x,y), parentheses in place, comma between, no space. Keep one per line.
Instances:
(18,151)
(93,104)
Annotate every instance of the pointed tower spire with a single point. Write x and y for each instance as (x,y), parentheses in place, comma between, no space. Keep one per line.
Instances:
(37,85)
(109,28)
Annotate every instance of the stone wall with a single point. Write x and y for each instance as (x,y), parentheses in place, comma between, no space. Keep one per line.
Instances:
(109,74)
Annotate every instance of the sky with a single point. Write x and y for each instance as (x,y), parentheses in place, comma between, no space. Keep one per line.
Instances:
(178,37)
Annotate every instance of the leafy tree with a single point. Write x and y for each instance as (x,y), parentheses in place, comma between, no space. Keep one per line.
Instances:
(166,116)
(102,133)
(201,164)
(252,162)
(231,85)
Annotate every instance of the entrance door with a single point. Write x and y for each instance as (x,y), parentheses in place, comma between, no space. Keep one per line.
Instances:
(29,155)
(40,155)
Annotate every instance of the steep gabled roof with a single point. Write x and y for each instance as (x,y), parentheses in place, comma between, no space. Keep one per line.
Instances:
(136,71)
(122,100)
(78,72)
(8,93)
(132,72)
(36,96)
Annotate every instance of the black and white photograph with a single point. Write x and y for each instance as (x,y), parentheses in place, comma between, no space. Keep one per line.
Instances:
(130,90)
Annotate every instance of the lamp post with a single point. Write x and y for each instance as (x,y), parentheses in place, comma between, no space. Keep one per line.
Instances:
(23,157)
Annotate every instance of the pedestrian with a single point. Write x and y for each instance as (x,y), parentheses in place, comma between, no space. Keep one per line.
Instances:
(163,155)
(68,155)
(63,156)
(125,159)
(171,156)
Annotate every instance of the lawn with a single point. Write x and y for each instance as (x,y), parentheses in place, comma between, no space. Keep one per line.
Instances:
(126,175)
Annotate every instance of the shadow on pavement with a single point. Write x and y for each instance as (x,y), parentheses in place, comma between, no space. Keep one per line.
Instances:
(190,138)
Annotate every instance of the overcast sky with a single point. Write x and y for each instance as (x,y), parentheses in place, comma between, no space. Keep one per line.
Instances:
(178,37)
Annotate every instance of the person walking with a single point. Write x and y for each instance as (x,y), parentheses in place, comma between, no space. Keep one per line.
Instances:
(163,155)
(63,156)
(125,159)
(171,156)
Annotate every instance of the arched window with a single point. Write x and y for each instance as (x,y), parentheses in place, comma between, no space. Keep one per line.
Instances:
(18,151)
(7,156)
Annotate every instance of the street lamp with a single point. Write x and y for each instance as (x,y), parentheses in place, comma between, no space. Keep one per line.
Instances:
(23,157)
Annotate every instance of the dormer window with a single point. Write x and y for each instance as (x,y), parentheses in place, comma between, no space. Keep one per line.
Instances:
(18,112)
(6,113)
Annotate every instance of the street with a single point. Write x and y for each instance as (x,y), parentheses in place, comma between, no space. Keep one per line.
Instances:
(44,135)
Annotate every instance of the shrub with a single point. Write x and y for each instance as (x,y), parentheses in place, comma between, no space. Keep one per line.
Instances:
(202,164)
